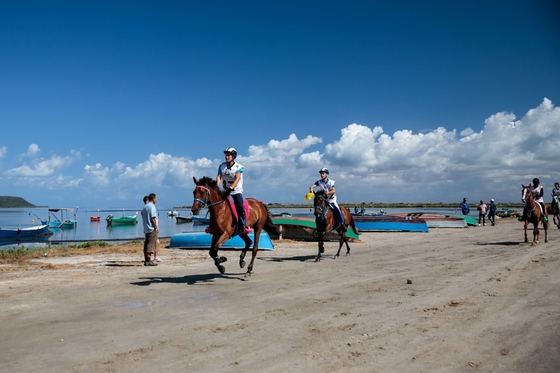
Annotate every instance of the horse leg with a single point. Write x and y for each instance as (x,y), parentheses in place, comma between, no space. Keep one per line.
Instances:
(218,260)
(248,243)
(321,246)
(545,226)
(256,236)
(526,223)
(536,233)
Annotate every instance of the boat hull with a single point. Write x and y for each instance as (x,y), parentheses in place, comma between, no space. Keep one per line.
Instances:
(203,240)
(183,219)
(35,231)
(123,220)
(389,224)
(436,220)
(302,228)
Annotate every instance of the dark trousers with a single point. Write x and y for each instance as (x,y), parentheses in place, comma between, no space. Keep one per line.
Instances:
(238,202)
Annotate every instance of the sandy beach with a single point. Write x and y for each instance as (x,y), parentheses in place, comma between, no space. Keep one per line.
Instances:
(476,299)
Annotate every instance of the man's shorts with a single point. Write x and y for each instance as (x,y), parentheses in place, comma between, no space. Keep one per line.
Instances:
(150,242)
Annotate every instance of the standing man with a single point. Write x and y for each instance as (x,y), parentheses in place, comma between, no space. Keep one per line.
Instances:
(482,212)
(464,207)
(492,209)
(151,229)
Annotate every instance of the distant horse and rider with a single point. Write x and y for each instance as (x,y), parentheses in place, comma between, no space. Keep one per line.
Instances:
(223,221)
(327,221)
(534,212)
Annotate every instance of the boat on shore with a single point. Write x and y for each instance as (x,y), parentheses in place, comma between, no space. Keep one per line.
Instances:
(303,228)
(203,240)
(123,220)
(388,223)
(436,220)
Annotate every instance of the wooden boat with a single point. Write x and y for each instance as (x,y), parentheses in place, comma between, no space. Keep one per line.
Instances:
(436,220)
(56,222)
(302,228)
(183,219)
(34,231)
(388,223)
(123,220)
(203,240)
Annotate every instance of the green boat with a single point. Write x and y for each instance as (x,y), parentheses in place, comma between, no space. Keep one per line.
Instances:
(470,220)
(123,220)
(301,228)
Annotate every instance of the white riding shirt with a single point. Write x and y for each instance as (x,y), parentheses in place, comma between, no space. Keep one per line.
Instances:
(228,176)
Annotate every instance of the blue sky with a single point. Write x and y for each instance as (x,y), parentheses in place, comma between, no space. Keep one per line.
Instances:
(404,101)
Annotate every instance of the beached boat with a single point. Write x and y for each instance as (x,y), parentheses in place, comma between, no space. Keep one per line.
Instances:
(183,219)
(388,223)
(34,231)
(62,221)
(123,220)
(203,240)
(436,220)
(302,228)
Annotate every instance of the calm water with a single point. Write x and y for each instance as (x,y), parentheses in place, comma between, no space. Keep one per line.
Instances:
(86,230)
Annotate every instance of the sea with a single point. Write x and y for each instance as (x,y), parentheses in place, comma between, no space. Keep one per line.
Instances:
(87,230)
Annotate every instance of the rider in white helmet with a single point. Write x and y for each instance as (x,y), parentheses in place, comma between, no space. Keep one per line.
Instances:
(230,177)
(327,185)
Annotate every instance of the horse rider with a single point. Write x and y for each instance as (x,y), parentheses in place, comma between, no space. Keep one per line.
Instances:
(327,185)
(555,196)
(537,191)
(230,176)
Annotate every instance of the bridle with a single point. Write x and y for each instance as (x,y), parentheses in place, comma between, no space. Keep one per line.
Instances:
(206,202)
(322,209)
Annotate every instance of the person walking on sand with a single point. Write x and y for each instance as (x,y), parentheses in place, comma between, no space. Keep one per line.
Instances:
(464,207)
(151,229)
(482,212)
(492,209)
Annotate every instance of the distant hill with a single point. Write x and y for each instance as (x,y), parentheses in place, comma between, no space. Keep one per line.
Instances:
(14,202)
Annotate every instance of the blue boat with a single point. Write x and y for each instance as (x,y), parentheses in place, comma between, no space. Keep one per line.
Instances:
(61,222)
(34,231)
(203,240)
(387,223)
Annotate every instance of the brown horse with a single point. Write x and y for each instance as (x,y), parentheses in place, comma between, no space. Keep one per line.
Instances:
(222,224)
(326,222)
(533,214)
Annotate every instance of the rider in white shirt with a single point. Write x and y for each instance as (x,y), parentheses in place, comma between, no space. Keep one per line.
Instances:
(230,177)
(327,185)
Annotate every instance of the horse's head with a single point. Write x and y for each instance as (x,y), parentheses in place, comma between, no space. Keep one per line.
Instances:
(320,205)
(526,195)
(202,193)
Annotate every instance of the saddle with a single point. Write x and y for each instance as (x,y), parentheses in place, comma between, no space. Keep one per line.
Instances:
(236,216)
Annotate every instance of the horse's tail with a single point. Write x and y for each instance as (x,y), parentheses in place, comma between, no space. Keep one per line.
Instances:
(353,225)
(269,226)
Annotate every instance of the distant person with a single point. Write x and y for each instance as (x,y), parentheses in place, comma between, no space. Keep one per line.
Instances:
(482,212)
(327,186)
(230,177)
(157,259)
(555,199)
(464,207)
(492,209)
(356,210)
(151,230)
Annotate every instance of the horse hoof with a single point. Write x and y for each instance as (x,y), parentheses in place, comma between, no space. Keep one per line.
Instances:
(242,263)
(222,269)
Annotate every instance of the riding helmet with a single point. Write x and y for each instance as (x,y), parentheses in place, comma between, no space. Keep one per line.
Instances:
(536,181)
(326,170)
(231,151)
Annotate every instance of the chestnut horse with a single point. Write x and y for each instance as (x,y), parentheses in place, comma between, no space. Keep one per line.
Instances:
(533,214)
(326,222)
(222,224)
